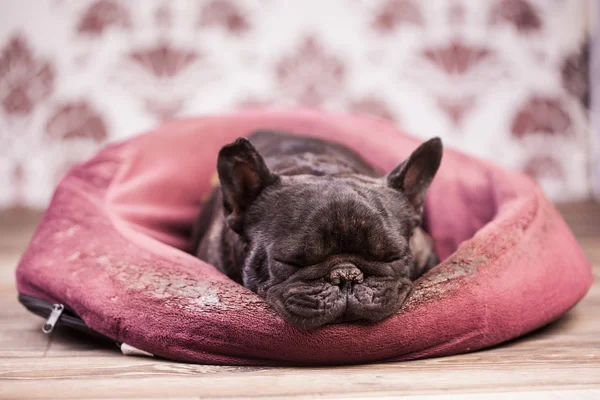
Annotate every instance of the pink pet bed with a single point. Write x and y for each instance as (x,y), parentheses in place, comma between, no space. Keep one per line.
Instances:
(111,249)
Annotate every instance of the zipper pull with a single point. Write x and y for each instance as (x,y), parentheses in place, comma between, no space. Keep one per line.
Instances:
(53,318)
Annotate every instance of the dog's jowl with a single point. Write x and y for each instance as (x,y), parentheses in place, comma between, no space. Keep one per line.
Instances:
(316,231)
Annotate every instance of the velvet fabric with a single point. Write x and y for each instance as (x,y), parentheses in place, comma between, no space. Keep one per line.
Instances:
(111,244)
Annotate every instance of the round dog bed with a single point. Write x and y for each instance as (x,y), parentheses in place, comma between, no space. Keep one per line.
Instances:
(112,248)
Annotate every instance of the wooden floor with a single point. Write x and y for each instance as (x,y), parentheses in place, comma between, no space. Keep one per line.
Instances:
(561,361)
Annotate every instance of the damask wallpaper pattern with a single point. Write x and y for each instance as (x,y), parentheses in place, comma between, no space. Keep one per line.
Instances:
(506,80)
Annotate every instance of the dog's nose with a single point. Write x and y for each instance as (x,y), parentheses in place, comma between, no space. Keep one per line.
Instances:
(345,273)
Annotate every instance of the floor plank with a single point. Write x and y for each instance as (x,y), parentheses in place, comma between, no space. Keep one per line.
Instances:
(559,361)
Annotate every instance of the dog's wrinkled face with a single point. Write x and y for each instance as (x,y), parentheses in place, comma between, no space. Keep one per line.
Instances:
(324,249)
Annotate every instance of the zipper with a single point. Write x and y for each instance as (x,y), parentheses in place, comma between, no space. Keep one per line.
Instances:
(58,314)
(61,314)
(57,311)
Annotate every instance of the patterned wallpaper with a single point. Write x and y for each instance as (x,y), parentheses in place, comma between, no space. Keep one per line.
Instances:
(595,100)
(506,80)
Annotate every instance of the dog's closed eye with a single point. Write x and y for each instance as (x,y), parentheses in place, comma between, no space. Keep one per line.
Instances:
(392,259)
(294,264)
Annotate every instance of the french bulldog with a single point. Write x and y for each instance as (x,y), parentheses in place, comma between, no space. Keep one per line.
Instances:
(315,230)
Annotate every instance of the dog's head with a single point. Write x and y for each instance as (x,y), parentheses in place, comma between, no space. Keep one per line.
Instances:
(326,249)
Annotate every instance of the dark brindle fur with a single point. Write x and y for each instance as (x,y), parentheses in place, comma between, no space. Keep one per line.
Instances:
(315,230)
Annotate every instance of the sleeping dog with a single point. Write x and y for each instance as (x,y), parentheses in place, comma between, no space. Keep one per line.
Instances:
(315,230)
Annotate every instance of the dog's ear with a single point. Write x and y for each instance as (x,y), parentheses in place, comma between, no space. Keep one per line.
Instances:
(414,175)
(243,175)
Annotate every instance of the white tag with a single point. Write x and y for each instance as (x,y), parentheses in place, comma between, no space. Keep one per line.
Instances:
(129,350)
